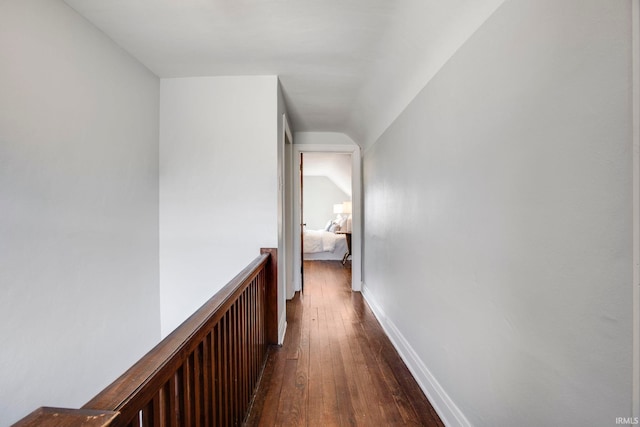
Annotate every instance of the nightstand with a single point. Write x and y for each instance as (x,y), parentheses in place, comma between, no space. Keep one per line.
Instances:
(347,235)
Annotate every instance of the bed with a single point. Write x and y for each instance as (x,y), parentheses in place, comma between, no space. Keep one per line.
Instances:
(323,245)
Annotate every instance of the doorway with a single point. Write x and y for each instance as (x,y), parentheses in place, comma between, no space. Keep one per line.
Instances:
(352,153)
(326,210)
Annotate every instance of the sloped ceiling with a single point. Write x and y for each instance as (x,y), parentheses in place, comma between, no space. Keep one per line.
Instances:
(346,66)
(336,167)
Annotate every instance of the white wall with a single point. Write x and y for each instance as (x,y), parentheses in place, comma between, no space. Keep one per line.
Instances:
(498,221)
(218,185)
(323,138)
(79,298)
(418,41)
(320,194)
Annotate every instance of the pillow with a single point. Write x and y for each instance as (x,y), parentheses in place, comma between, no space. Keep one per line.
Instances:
(334,227)
(328,226)
(342,223)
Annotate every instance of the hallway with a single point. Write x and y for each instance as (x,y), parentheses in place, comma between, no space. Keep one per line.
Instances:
(336,367)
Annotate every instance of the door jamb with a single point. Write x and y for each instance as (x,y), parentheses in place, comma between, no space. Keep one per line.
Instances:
(356,205)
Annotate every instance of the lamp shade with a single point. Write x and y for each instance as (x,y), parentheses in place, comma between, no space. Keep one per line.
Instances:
(346,207)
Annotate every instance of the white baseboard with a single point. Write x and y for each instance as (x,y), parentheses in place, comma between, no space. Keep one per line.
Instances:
(373,304)
(449,413)
(282,330)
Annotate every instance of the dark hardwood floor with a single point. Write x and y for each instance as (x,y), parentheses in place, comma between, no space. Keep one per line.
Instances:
(336,367)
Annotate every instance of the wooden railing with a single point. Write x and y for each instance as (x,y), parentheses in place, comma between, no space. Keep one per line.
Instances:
(203,374)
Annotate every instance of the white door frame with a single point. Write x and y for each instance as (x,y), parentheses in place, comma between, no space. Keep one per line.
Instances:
(284,224)
(356,207)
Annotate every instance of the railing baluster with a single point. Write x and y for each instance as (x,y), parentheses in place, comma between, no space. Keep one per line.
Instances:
(174,398)
(250,335)
(247,346)
(233,359)
(240,356)
(241,373)
(147,415)
(256,323)
(135,422)
(165,406)
(243,350)
(254,326)
(215,373)
(246,352)
(200,382)
(187,392)
(226,371)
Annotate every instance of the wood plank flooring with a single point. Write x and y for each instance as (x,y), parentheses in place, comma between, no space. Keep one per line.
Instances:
(336,367)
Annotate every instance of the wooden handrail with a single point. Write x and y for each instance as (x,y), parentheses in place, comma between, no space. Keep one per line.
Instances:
(202,374)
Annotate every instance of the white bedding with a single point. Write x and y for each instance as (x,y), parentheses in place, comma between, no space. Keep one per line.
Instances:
(323,245)
(315,241)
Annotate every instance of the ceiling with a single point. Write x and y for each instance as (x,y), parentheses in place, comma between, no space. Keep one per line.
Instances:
(335,166)
(346,66)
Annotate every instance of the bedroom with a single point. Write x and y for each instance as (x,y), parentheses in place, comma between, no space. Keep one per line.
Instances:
(326,207)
